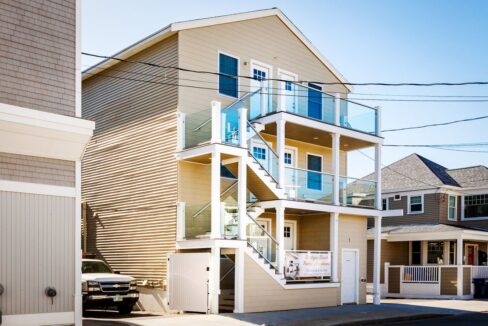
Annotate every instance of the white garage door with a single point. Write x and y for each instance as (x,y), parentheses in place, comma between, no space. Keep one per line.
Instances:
(188,281)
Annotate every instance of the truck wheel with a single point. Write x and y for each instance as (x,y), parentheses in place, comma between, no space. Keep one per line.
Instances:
(125,309)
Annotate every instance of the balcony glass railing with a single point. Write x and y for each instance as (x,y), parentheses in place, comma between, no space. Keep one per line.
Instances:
(357,192)
(261,241)
(197,221)
(308,185)
(261,151)
(358,117)
(198,128)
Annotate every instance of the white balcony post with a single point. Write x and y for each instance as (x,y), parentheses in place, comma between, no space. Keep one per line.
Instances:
(280,236)
(180,142)
(264,98)
(216,125)
(215,194)
(241,195)
(334,245)
(386,275)
(243,127)
(222,219)
(460,262)
(336,167)
(337,109)
(378,121)
(377,261)
(377,163)
(180,221)
(214,280)
(280,142)
(239,281)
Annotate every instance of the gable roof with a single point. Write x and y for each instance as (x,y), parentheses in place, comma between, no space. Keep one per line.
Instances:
(472,176)
(173,28)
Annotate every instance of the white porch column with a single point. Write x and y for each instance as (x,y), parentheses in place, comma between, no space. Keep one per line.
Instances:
(180,221)
(180,140)
(239,281)
(280,144)
(214,280)
(377,261)
(264,98)
(377,172)
(241,195)
(334,245)
(460,262)
(336,167)
(337,109)
(216,125)
(280,236)
(215,195)
(378,120)
(243,127)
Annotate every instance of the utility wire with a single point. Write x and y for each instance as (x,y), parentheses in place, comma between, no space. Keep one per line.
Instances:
(436,124)
(283,80)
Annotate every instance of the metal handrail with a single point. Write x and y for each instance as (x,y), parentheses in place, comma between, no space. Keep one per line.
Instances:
(210,202)
(262,229)
(305,170)
(262,256)
(226,108)
(261,138)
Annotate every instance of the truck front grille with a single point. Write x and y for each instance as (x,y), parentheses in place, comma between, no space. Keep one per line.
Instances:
(114,286)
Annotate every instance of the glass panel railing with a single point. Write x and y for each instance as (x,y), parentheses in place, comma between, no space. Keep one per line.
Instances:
(262,152)
(261,241)
(197,221)
(198,128)
(260,101)
(357,192)
(307,101)
(308,185)
(358,117)
(230,212)
(230,125)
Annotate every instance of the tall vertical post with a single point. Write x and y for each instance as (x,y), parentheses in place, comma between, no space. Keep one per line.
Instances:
(378,121)
(280,236)
(460,262)
(241,195)
(214,280)
(280,142)
(77,240)
(377,261)
(264,98)
(239,281)
(334,245)
(377,164)
(216,125)
(337,109)
(215,194)
(180,221)
(243,127)
(336,167)
(180,141)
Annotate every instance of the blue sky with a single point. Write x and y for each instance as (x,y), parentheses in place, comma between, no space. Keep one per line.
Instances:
(385,41)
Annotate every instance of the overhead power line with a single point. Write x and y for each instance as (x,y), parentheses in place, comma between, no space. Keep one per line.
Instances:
(436,124)
(283,80)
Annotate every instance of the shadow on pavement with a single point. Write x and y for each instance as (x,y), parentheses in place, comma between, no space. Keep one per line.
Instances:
(110,317)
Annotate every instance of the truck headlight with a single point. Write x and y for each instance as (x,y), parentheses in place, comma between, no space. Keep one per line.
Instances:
(133,285)
(93,286)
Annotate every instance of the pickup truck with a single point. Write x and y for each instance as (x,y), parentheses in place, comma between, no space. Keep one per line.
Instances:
(102,288)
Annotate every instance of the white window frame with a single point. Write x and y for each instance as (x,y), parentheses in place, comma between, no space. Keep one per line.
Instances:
(237,77)
(409,204)
(454,218)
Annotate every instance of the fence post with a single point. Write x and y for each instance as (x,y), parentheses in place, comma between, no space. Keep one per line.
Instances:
(385,281)
(180,221)
(401,278)
(180,141)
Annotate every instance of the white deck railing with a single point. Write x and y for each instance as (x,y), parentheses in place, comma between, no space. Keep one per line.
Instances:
(479,271)
(420,274)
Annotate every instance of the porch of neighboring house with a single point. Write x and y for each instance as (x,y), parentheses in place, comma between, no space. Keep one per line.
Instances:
(430,261)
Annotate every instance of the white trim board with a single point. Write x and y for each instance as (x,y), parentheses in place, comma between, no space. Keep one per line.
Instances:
(54,318)
(197,23)
(37,188)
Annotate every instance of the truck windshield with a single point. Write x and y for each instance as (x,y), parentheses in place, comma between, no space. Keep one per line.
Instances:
(94,267)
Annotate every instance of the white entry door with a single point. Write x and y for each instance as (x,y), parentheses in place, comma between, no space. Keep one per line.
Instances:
(188,276)
(290,235)
(260,72)
(288,98)
(350,279)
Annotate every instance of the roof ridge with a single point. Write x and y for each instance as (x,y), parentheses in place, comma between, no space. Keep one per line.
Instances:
(469,167)
(441,172)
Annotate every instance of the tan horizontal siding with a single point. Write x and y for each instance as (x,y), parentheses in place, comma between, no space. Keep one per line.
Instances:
(34,169)
(36,251)
(430,215)
(395,253)
(466,280)
(37,57)
(449,281)
(394,280)
(129,171)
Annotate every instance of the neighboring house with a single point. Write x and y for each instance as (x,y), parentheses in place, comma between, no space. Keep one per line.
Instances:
(242,177)
(435,229)
(42,139)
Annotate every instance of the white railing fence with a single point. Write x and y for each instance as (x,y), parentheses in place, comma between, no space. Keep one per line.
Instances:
(479,271)
(420,274)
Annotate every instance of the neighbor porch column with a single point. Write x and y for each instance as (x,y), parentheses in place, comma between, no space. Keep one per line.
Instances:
(334,245)
(280,146)
(336,168)
(377,261)
(460,262)
(280,236)
(241,195)
(214,280)
(215,194)
(377,172)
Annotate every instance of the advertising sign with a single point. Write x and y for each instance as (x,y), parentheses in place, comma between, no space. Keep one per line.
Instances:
(307,265)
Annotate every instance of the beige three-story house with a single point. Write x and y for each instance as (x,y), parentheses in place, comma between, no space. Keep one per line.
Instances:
(218,178)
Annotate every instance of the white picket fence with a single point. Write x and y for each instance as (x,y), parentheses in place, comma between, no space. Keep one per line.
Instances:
(479,271)
(420,274)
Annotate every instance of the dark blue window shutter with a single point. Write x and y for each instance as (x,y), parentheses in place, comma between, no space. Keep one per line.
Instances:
(228,85)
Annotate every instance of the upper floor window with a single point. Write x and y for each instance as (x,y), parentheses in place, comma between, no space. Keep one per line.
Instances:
(476,206)
(416,204)
(288,159)
(259,153)
(288,86)
(258,74)
(228,84)
(385,204)
(452,208)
